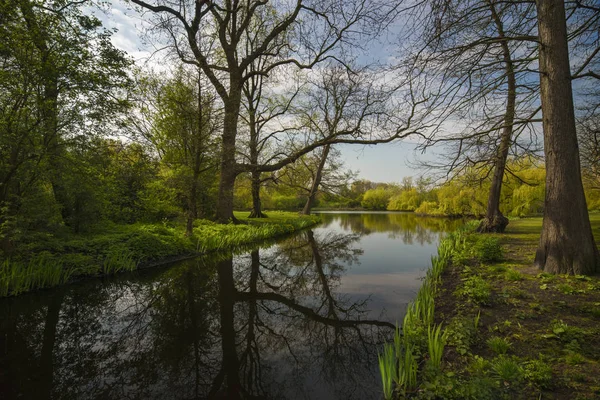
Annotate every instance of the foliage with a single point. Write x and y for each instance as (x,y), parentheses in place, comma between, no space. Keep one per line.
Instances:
(435,345)
(377,199)
(418,323)
(45,261)
(476,289)
(387,368)
(507,369)
(488,249)
(498,345)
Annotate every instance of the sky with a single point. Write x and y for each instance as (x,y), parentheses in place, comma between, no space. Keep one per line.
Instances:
(380,163)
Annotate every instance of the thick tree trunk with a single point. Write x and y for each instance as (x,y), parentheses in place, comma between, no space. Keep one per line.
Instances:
(566,244)
(494,221)
(316,182)
(228,164)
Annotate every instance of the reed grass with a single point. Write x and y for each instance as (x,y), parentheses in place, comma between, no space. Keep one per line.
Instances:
(40,272)
(436,341)
(387,368)
(419,321)
(118,260)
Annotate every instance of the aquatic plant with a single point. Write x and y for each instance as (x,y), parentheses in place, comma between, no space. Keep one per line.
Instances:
(118,260)
(436,341)
(418,317)
(42,271)
(387,368)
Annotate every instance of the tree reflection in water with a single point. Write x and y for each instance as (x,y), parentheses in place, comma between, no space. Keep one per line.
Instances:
(268,324)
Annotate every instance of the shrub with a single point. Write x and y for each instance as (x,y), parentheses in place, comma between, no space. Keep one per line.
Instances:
(488,249)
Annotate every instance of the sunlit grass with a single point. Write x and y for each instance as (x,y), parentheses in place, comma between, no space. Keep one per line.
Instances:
(116,248)
(40,272)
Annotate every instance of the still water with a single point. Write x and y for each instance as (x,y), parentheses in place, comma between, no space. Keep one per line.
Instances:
(301,319)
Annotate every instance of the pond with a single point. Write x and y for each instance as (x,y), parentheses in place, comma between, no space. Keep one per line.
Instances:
(300,319)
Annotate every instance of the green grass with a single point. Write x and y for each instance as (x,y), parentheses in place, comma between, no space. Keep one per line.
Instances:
(44,260)
(421,339)
(498,345)
(41,271)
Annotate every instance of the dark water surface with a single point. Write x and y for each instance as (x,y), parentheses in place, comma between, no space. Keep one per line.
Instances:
(301,319)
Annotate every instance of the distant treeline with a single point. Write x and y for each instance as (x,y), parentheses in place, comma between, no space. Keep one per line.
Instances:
(464,195)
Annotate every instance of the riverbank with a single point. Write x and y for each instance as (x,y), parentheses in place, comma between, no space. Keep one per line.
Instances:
(44,260)
(511,331)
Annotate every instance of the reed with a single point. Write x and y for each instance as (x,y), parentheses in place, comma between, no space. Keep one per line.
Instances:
(420,315)
(436,341)
(118,260)
(40,272)
(387,368)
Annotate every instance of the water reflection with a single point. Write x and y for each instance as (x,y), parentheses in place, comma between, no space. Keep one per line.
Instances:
(408,227)
(299,320)
(232,327)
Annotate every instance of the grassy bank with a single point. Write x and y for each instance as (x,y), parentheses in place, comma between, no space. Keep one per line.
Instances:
(511,332)
(47,260)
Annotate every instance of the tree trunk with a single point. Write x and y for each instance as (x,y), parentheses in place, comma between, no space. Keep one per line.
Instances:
(494,221)
(256,205)
(197,154)
(49,108)
(566,243)
(316,182)
(192,213)
(228,164)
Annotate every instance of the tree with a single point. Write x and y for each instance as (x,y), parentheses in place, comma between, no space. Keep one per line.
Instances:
(566,244)
(61,79)
(179,118)
(300,35)
(481,52)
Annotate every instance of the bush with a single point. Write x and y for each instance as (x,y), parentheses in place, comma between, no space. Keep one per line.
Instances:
(377,199)
(428,208)
(488,249)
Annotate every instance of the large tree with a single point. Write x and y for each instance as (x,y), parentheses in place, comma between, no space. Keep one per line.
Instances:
(221,37)
(481,52)
(60,80)
(566,244)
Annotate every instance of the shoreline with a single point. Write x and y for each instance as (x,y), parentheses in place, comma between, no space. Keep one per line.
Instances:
(508,330)
(134,247)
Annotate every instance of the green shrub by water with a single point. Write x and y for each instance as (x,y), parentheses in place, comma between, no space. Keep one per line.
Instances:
(488,249)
